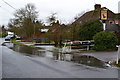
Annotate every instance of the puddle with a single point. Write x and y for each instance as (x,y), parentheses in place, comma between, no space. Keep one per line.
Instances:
(88,60)
(55,54)
(28,51)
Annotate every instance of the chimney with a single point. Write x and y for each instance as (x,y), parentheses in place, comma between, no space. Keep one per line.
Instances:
(97,6)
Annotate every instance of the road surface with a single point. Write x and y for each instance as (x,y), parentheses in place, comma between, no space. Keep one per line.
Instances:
(1,40)
(17,65)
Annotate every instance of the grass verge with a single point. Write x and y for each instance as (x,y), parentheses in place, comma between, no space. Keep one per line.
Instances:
(19,43)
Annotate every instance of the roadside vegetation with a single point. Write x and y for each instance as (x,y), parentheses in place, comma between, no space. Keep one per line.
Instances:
(89,29)
(3,34)
(17,42)
(105,41)
(118,65)
(22,44)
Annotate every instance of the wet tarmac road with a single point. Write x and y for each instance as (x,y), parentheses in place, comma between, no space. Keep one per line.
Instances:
(1,40)
(17,65)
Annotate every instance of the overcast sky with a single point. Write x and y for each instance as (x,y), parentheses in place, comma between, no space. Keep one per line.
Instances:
(66,9)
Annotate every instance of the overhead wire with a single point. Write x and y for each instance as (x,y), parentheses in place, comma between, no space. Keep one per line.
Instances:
(9,12)
(5,9)
(8,4)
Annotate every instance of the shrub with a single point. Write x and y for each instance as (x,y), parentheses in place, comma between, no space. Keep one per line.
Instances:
(89,29)
(105,40)
(4,34)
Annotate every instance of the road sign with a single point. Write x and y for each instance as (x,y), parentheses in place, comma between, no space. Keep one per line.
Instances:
(103,14)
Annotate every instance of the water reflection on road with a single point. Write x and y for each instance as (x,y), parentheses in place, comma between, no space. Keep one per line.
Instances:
(55,54)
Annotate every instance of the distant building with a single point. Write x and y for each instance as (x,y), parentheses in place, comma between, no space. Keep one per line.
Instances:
(111,19)
(108,16)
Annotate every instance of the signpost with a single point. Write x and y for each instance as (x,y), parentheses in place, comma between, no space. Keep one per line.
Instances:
(104,17)
(117,61)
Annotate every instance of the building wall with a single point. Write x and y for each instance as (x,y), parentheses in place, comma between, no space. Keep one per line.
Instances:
(113,22)
(119,22)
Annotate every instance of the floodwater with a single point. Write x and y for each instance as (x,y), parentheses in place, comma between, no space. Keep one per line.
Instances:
(55,54)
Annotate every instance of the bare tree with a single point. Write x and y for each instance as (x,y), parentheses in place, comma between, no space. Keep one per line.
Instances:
(52,18)
(25,18)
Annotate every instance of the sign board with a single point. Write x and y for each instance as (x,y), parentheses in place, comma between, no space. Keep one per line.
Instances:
(103,14)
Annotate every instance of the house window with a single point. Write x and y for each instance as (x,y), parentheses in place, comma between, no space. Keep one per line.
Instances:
(111,22)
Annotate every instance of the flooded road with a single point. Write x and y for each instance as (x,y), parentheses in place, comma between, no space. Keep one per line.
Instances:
(55,54)
(25,62)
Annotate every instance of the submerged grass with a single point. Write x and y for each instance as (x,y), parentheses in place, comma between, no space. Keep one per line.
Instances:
(118,65)
(114,63)
(17,42)
(22,44)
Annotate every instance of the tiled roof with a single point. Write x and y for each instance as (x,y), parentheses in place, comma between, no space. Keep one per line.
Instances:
(112,27)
